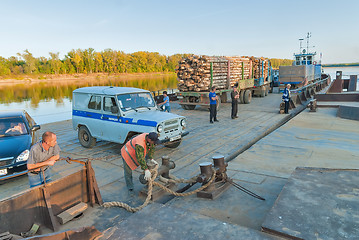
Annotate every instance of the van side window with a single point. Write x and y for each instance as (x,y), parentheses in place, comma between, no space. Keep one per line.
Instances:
(108,102)
(95,103)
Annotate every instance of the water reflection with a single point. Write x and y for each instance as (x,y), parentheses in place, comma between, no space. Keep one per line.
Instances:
(51,101)
(60,90)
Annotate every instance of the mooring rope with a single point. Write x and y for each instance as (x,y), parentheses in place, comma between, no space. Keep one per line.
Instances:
(150,188)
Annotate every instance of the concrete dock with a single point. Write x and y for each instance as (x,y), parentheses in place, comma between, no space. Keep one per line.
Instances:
(319,139)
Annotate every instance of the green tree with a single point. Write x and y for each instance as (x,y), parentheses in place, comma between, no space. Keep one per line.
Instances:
(55,62)
(30,62)
(4,68)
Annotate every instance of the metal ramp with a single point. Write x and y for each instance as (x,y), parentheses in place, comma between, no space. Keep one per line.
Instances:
(317,203)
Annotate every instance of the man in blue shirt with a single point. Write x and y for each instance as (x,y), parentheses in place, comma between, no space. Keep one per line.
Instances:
(213,98)
(166,102)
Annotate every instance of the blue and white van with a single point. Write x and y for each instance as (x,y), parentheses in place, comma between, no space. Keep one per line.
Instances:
(116,114)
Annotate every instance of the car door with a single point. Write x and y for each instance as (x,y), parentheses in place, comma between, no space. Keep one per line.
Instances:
(94,116)
(111,120)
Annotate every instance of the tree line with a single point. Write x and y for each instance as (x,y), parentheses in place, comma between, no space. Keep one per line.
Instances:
(89,61)
(276,62)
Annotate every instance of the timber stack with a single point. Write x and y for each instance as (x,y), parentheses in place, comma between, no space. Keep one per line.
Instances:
(199,73)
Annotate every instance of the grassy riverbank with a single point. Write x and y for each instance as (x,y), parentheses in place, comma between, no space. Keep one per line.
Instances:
(341,65)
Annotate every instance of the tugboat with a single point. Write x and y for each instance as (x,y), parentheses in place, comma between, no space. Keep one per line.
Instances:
(304,69)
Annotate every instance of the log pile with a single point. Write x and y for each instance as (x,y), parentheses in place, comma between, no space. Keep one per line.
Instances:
(257,67)
(236,69)
(194,72)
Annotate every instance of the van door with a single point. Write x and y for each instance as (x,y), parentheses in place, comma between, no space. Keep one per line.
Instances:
(113,131)
(94,116)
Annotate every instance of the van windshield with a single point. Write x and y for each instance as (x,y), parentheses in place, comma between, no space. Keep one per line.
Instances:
(135,100)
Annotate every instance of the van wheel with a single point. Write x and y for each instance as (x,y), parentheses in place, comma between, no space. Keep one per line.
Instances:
(85,138)
(173,144)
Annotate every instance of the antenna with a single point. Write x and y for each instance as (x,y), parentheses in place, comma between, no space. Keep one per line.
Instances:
(300,45)
(309,34)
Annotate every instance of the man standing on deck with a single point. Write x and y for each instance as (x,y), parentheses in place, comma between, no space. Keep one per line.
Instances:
(134,152)
(166,102)
(286,98)
(42,155)
(213,98)
(235,97)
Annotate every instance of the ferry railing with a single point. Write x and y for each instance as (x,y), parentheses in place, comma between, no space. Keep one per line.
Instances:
(303,95)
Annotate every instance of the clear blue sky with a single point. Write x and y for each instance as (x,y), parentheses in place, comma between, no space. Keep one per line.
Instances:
(259,28)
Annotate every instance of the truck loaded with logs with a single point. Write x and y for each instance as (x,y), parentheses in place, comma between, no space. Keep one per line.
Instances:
(197,74)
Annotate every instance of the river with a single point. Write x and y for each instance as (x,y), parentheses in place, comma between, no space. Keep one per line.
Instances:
(51,101)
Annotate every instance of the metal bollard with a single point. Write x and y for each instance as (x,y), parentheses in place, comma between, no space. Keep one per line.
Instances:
(163,170)
(206,172)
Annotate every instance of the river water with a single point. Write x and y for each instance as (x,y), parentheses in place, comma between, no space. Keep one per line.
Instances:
(51,101)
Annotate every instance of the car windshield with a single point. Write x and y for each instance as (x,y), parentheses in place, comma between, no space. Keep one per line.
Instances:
(12,127)
(135,100)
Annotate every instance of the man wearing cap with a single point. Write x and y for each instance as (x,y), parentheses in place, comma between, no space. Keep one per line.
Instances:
(134,152)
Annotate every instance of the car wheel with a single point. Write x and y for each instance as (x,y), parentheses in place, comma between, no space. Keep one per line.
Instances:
(85,138)
(173,144)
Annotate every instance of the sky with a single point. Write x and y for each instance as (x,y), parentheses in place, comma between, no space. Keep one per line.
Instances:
(226,28)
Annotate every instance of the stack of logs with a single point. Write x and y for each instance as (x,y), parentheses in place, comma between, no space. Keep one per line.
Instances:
(194,72)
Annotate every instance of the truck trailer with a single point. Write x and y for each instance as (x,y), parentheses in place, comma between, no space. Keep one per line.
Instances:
(197,74)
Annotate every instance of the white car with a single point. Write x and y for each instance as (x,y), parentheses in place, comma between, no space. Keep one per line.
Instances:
(116,114)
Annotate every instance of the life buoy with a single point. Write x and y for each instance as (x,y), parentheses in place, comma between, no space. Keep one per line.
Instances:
(314,62)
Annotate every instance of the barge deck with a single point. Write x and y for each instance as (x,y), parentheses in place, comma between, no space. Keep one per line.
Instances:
(309,140)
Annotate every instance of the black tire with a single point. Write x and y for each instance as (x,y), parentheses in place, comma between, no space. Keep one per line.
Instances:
(271,87)
(188,107)
(191,107)
(241,96)
(184,107)
(267,90)
(247,96)
(173,144)
(86,138)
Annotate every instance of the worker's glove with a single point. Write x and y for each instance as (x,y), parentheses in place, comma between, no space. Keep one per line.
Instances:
(147,175)
(154,162)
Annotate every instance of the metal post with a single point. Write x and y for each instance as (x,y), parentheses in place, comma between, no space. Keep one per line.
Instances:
(242,70)
(211,74)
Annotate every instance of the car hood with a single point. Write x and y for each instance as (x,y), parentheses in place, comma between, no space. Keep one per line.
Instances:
(14,145)
(152,116)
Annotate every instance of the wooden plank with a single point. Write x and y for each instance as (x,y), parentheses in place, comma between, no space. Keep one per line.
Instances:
(53,221)
(96,189)
(71,213)
(90,183)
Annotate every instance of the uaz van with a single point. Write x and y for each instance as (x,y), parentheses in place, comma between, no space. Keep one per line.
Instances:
(116,114)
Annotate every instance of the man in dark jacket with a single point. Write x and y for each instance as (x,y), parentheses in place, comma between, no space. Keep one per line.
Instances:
(235,97)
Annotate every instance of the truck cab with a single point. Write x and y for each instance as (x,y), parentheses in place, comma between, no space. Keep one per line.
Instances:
(116,114)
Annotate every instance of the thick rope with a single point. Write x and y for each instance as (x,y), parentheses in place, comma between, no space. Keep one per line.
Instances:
(174,179)
(148,198)
(187,193)
(149,192)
